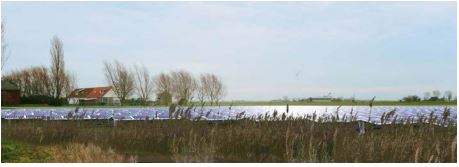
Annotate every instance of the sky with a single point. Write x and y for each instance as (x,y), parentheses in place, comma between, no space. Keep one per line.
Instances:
(261,50)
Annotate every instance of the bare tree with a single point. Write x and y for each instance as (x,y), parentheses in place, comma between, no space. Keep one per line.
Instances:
(121,80)
(448,95)
(32,81)
(426,95)
(436,93)
(22,79)
(5,54)
(40,81)
(213,87)
(163,83)
(285,99)
(70,84)
(203,88)
(163,88)
(217,89)
(144,83)
(46,81)
(183,86)
(57,66)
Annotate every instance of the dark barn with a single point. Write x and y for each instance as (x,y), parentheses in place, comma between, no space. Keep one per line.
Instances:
(10,94)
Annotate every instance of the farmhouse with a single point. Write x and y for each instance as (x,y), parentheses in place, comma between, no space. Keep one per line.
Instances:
(10,93)
(94,95)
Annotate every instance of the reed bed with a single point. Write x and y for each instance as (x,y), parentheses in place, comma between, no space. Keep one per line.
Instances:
(87,153)
(267,138)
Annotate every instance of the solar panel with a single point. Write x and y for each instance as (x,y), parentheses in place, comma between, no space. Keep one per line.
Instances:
(223,113)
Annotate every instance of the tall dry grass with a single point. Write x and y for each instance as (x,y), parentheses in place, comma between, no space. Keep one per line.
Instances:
(86,153)
(272,138)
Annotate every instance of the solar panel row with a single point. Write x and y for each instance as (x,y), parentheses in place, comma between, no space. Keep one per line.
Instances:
(224,112)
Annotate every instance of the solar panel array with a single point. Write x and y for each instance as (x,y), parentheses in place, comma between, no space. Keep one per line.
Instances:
(226,112)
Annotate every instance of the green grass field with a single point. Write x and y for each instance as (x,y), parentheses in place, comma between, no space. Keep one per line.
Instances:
(263,103)
(344,103)
(19,152)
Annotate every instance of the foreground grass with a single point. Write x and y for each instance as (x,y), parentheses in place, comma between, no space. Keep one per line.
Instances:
(15,152)
(74,152)
(262,103)
(273,139)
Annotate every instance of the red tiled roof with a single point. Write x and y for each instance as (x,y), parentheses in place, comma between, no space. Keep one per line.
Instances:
(94,92)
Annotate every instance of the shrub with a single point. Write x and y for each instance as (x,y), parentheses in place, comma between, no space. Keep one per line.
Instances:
(58,102)
(413,98)
(37,99)
(42,99)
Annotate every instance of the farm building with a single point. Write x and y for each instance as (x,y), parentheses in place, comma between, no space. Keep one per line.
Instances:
(10,93)
(95,95)
(320,99)
(164,98)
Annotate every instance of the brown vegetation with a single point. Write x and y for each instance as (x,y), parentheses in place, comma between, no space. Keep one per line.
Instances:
(42,81)
(274,138)
(183,86)
(58,76)
(87,153)
(32,81)
(144,83)
(121,80)
(212,88)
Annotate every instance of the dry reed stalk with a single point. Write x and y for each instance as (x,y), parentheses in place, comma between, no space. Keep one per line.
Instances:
(248,140)
(416,155)
(431,158)
(287,148)
(453,149)
(335,139)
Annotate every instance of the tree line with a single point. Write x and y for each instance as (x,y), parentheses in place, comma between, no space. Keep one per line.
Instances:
(435,95)
(39,84)
(54,84)
(180,85)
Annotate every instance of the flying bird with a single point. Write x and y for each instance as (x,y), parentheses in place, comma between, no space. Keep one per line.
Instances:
(297,74)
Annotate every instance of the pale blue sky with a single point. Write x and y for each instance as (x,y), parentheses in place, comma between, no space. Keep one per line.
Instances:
(262,50)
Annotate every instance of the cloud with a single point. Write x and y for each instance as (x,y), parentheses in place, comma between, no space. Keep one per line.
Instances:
(345,47)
